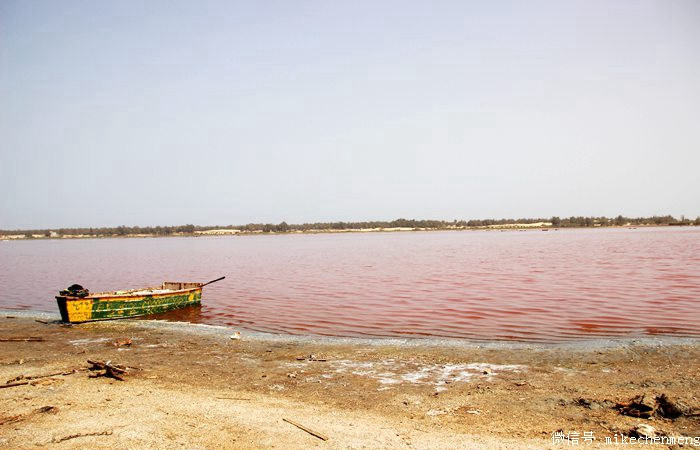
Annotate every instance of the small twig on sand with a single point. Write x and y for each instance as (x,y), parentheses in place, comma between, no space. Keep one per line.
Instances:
(41,321)
(308,430)
(122,342)
(36,377)
(311,358)
(20,417)
(19,383)
(27,339)
(73,436)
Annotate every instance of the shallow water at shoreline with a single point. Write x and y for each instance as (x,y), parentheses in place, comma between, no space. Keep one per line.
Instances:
(565,285)
(224,332)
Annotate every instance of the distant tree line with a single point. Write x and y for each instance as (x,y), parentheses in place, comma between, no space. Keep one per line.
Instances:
(579,221)
(284,227)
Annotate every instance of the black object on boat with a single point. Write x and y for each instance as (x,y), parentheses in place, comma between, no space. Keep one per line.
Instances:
(75,290)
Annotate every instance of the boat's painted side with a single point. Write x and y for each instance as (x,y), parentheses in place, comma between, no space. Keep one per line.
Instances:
(97,307)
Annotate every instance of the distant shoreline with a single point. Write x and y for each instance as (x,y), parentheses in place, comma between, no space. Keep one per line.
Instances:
(547,226)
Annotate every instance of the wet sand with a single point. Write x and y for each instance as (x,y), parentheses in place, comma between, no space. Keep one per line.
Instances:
(195,387)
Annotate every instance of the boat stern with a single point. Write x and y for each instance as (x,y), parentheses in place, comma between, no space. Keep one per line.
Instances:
(74,310)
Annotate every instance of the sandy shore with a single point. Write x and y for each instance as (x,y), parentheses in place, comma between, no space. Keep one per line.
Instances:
(195,387)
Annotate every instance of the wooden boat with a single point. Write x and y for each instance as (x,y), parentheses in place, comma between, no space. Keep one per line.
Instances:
(131,303)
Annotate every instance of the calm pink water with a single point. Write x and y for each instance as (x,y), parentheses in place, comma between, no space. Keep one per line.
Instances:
(531,286)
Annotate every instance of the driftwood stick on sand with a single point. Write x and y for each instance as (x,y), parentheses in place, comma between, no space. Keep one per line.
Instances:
(110,370)
(99,365)
(308,430)
(23,339)
(18,383)
(36,377)
(32,380)
(20,417)
(73,436)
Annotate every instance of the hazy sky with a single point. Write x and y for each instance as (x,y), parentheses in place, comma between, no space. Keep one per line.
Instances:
(169,112)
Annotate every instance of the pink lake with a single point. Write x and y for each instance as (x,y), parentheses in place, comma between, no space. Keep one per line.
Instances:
(481,285)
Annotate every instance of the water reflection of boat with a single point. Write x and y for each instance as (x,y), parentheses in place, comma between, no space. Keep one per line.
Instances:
(80,306)
(189,313)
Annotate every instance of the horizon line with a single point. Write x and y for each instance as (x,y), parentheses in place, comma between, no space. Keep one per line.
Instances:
(667,217)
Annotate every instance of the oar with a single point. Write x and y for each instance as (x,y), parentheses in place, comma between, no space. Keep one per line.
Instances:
(213,281)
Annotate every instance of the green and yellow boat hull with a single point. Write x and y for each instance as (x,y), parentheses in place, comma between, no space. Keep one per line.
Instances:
(134,303)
